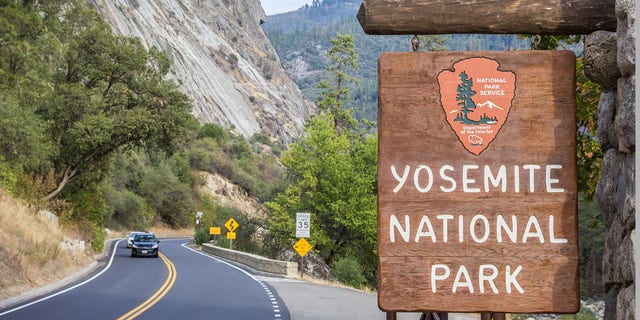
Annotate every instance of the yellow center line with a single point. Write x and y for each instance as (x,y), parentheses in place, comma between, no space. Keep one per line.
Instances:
(158,295)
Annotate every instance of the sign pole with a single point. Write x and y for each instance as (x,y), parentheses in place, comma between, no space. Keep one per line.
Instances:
(494,316)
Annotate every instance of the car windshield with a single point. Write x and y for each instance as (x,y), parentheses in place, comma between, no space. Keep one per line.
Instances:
(145,238)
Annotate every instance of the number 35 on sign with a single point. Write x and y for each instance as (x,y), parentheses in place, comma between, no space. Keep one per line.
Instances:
(303,225)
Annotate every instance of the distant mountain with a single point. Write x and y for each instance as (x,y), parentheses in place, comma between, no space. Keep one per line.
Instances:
(301,38)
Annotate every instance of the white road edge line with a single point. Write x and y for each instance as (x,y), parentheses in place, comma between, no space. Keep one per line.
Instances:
(275,306)
(184,245)
(113,254)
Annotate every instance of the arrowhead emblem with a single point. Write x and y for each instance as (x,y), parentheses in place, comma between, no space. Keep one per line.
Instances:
(476,98)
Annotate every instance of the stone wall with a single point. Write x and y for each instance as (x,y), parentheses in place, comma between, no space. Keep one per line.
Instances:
(610,61)
(261,264)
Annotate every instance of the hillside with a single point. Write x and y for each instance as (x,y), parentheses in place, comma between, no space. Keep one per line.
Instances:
(302,37)
(35,250)
(221,59)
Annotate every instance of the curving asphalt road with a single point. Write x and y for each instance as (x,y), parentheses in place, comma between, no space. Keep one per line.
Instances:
(188,284)
(182,284)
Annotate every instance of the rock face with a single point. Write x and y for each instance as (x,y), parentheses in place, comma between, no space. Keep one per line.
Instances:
(610,61)
(311,266)
(220,58)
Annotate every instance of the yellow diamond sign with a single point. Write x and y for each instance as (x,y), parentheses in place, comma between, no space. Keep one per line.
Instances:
(302,247)
(231,225)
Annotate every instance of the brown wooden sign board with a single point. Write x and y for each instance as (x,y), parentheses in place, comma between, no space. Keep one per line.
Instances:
(477,191)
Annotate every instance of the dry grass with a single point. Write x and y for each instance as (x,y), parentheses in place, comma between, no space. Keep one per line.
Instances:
(34,249)
(30,251)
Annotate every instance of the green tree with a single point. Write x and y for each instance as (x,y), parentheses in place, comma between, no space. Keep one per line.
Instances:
(333,176)
(334,179)
(91,91)
(342,59)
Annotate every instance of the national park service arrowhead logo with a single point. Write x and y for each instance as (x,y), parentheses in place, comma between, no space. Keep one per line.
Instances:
(476,98)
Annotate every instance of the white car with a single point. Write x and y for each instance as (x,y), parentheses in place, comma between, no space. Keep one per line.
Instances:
(130,238)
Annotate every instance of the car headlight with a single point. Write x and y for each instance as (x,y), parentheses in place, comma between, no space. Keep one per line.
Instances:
(155,246)
(134,245)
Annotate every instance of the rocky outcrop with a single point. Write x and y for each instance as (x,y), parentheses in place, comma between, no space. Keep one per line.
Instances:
(311,266)
(220,58)
(610,61)
(231,195)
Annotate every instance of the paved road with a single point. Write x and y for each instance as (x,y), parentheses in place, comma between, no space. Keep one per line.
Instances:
(188,284)
(312,301)
(181,284)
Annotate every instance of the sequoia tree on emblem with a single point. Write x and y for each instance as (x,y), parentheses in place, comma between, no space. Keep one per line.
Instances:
(476,98)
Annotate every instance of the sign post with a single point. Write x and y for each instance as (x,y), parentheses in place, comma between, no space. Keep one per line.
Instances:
(231,226)
(302,247)
(477,182)
(214,231)
(198,217)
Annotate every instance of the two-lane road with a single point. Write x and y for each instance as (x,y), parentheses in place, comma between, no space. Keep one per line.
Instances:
(181,284)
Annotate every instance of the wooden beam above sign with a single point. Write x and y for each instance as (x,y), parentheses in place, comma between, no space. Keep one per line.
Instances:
(543,17)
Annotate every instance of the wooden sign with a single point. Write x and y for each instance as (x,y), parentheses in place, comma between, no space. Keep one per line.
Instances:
(477,182)
(568,17)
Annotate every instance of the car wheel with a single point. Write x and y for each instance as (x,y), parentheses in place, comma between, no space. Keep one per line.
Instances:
(133,253)
(155,255)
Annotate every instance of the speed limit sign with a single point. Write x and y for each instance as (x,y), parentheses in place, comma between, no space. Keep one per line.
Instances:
(303,225)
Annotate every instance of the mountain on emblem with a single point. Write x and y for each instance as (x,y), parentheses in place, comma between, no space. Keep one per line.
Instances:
(476,98)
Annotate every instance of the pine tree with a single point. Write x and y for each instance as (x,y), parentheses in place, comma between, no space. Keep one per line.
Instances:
(464,98)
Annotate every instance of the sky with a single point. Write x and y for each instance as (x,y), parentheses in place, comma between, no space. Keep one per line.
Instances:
(279,6)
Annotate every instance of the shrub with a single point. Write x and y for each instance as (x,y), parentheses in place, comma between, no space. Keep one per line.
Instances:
(348,271)
(99,236)
(202,235)
(8,176)
(132,211)
(213,131)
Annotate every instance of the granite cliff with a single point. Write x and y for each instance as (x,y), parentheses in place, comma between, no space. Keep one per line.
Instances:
(220,58)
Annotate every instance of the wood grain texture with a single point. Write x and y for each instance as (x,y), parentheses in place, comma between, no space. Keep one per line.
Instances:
(413,131)
(560,17)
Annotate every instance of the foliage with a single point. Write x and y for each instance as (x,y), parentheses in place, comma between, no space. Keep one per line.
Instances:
(332,174)
(24,136)
(88,211)
(591,232)
(215,132)
(243,162)
(342,59)
(8,175)
(348,271)
(129,209)
(170,198)
(92,92)
(202,235)
(99,236)
(216,215)
(589,152)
